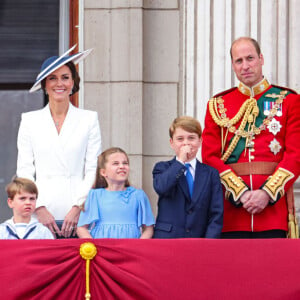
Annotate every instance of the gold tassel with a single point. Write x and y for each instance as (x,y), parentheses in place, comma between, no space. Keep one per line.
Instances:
(293,232)
(293,229)
(87,251)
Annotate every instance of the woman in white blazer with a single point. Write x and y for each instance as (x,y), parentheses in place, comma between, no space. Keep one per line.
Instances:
(58,146)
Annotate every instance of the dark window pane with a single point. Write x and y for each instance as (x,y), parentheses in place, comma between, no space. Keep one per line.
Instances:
(12,104)
(29,31)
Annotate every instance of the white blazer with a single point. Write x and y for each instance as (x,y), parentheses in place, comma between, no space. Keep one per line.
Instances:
(62,165)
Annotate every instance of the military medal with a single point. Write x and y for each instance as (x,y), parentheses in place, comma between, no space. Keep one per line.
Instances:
(279,110)
(275,146)
(274,126)
(266,108)
(272,106)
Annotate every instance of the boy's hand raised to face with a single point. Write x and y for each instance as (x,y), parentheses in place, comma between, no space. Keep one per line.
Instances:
(184,153)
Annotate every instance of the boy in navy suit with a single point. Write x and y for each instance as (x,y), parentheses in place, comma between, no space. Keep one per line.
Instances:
(190,203)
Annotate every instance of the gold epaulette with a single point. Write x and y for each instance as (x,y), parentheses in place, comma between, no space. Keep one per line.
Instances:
(274,185)
(233,184)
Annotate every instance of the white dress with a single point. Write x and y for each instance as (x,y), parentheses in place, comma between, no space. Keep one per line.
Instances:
(62,165)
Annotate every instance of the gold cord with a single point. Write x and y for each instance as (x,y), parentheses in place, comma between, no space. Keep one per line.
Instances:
(222,121)
(249,111)
(87,251)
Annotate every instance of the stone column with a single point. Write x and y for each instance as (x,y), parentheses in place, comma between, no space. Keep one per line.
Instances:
(132,78)
(114,75)
(161,46)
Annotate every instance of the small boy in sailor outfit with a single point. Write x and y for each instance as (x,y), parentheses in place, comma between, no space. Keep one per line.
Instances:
(22,194)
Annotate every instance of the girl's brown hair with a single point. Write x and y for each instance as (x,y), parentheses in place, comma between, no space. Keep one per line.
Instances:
(100,181)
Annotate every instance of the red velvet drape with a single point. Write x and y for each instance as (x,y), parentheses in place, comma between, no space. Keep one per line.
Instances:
(152,269)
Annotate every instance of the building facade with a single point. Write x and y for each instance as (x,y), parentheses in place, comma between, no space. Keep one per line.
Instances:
(155,60)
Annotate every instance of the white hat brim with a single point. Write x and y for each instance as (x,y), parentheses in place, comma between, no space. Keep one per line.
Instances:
(76,58)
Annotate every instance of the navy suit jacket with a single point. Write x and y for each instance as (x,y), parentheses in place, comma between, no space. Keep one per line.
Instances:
(179,215)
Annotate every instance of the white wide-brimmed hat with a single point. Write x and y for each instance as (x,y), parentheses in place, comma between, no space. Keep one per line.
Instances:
(54,62)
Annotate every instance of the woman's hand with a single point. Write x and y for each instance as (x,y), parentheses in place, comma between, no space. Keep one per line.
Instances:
(46,218)
(70,222)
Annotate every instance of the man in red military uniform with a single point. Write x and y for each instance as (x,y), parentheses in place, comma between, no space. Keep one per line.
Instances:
(252,136)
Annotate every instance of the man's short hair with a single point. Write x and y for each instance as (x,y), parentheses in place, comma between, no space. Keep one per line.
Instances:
(246,38)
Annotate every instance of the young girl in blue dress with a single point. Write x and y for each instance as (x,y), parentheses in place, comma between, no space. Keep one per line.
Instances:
(113,208)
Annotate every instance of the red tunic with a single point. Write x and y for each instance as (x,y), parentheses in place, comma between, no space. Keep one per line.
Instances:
(288,159)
